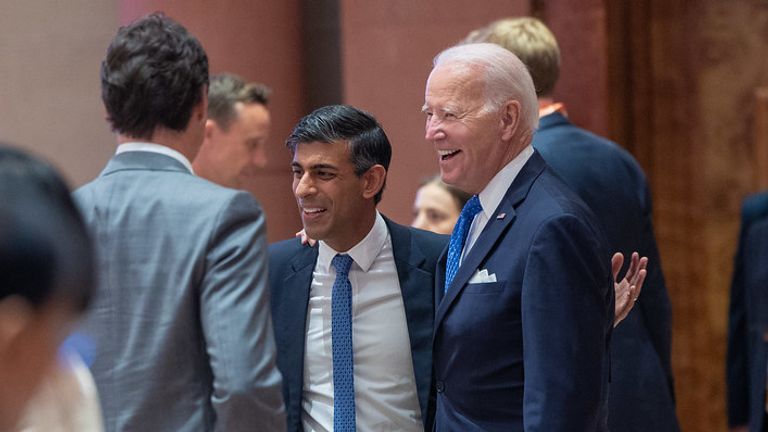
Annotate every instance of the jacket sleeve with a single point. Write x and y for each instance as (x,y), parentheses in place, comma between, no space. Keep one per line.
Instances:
(236,322)
(567,312)
(654,303)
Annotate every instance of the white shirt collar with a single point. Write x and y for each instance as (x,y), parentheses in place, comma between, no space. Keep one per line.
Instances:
(494,192)
(155,148)
(366,251)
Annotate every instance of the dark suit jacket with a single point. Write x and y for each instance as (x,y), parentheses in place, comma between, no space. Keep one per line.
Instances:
(748,319)
(613,185)
(290,277)
(184,340)
(529,351)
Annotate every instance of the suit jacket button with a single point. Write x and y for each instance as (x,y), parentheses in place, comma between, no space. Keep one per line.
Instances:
(440,386)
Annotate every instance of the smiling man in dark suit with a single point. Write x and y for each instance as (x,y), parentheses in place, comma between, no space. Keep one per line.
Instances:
(524,299)
(353,314)
(613,185)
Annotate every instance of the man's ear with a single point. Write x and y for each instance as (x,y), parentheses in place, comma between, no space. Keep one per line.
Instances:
(210,128)
(373,180)
(510,119)
(16,315)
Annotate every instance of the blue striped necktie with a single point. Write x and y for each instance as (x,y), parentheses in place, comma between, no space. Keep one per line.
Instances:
(341,344)
(459,237)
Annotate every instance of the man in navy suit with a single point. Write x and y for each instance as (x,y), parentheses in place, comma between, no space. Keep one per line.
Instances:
(524,297)
(748,321)
(611,182)
(340,161)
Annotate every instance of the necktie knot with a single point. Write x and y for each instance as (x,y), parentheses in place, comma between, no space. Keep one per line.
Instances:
(472,207)
(342,263)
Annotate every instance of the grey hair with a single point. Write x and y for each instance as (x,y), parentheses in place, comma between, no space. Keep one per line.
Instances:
(506,77)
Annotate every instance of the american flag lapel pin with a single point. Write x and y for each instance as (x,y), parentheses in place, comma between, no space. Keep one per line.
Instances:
(501,216)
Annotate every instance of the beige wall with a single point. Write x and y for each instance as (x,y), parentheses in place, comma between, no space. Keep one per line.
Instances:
(49,92)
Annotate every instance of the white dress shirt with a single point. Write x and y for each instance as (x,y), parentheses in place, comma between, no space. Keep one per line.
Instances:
(385,387)
(155,148)
(492,194)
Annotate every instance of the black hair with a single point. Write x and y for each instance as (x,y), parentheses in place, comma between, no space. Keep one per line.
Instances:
(153,75)
(368,144)
(45,250)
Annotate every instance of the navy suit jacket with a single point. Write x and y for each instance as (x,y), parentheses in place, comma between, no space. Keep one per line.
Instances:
(290,276)
(748,319)
(613,185)
(529,351)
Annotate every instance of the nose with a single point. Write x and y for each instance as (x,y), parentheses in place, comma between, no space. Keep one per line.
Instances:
(433,131)
(302,186)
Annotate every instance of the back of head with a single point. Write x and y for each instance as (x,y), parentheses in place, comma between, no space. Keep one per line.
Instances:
(153,75)
(532,42)
(506,78)
(45,251)
(226,90)
(368,144)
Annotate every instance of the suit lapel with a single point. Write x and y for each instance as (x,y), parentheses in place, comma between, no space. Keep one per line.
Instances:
(296,286)
(416,288)
(491,234)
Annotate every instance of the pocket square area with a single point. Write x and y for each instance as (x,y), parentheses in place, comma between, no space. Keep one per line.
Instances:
(482,276)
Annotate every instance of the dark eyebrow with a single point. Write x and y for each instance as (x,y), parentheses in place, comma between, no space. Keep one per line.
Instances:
(315,167)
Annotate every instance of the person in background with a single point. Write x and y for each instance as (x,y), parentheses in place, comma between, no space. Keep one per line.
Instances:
(181,322)
(613,185)
(46,283)
(236,132)
(437,206)
(747,358)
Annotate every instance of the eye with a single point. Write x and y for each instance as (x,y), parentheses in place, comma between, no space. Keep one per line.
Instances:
(325,175)
(435,216)
(297,172)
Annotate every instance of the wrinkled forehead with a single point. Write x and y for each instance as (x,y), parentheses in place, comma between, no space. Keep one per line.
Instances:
(456,82)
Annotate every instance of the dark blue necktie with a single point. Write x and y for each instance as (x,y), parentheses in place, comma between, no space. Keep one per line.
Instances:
(341,341)
(458,237)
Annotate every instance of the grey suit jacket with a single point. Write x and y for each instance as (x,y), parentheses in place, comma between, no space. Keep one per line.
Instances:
(181,319)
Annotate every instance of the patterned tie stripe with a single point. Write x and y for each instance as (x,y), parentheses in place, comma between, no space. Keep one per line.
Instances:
(341,341)
(459,237)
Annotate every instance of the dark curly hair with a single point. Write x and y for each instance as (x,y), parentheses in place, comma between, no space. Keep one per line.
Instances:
(154,74)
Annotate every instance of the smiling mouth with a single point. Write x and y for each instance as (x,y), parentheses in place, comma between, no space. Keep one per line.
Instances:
(312,210)
(447,154)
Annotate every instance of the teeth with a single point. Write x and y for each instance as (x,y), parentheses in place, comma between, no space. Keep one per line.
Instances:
(446,152)
(313,210)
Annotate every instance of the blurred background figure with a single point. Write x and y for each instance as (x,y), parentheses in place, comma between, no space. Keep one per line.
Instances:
(437,206)
(46,282)
(748,321)
(236,132)
(612,183)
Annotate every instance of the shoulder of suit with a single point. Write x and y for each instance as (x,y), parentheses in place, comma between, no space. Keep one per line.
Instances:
(754,207)
(284,249)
